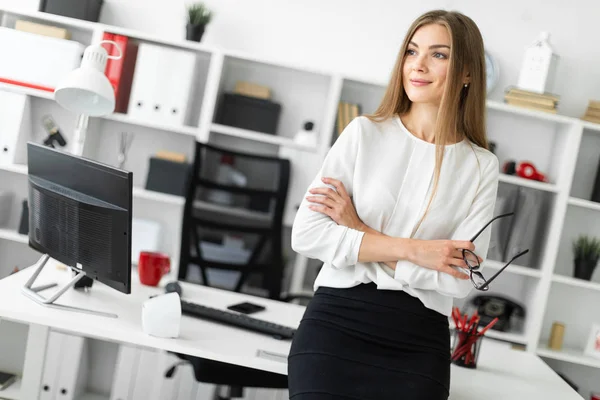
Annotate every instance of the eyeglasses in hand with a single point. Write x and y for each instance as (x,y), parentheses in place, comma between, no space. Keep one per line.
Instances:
(472,261)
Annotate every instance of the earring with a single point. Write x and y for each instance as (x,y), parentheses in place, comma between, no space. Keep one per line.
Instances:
(466,85)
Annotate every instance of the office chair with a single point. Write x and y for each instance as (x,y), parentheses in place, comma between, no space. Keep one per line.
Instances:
(264,194)
(252,212)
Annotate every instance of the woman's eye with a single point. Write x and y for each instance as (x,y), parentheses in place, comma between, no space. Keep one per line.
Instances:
(440,56)
(411,52)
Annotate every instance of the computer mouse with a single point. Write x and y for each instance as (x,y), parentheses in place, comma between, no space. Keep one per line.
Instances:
(173,287)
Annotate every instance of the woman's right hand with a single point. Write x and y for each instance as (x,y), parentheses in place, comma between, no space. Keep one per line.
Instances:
(441,255)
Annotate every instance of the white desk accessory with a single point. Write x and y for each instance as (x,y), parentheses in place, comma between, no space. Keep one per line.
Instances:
(161,315)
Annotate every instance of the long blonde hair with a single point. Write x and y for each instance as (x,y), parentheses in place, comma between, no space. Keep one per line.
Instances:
(462,109)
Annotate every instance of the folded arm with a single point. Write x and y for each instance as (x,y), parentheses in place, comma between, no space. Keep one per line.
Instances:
(315,234)
(480,212)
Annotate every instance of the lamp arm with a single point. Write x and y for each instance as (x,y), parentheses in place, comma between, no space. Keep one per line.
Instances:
(79,134)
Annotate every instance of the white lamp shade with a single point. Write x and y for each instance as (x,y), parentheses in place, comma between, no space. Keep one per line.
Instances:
(87,90)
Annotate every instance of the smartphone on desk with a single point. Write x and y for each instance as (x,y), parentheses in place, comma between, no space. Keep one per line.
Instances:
(246,308)
(6,380)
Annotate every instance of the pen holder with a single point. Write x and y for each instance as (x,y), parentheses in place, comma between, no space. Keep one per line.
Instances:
(465,349)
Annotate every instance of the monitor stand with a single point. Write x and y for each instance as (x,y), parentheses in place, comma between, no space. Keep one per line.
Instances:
(33,294)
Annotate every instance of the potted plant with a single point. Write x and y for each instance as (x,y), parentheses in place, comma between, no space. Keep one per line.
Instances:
(198,17)
(586,251)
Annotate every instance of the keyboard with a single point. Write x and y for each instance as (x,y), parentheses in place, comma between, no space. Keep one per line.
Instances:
(234,319)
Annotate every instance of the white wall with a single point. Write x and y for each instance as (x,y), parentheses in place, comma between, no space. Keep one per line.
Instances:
(361,38)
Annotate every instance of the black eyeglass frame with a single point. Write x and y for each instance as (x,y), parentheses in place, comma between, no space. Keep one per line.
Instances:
(473,269)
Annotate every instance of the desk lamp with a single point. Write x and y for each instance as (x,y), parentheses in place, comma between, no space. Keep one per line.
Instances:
(87,91)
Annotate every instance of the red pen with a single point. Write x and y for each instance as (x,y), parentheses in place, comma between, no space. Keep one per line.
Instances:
(488,326)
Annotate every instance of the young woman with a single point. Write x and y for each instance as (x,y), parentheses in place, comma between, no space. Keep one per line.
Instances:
(395,202)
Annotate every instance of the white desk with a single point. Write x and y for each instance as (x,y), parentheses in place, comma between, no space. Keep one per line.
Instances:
(502,373)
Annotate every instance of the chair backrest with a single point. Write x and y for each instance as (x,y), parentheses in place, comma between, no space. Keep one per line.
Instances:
(233,217)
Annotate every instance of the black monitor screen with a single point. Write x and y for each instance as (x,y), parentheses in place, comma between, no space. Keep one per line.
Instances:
(80,214)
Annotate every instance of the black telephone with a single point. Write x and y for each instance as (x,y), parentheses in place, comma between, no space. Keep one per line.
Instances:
(492,306)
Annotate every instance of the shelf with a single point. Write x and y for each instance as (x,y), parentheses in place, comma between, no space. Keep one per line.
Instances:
(592,205)
(137,192)
(49,17)
(166,198)
(13,392)
(591,126)
(516,180)
(117,117)
(18,169)
(258,136)
(184,130)
(514,269)
(567,280)
(571,355)
(13,236)
(499,106)
(27,91)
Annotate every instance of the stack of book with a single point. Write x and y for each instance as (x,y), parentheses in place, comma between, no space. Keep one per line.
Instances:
(346,113)
(536,101)
(592,113)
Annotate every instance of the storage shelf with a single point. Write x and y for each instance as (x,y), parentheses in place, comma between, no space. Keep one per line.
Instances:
(567,280)
(166,198)
(575,356)
(512,268)
(18,169)
(184,130)
(59,19)
(591,126)
(117,117)
(517,180)
(499,106)
(592,205)
(13,236)
(258,136)
(26,90)
(13,392)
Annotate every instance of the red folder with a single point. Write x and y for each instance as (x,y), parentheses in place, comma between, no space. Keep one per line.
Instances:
(120,71)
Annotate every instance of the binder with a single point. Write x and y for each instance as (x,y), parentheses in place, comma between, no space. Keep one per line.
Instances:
(204,391)
(185,391)
(49,383)
(123,378)
(168,386)
(15,127)
(73,373)
(529,225)
(144,374)
(161,85)
(120,71)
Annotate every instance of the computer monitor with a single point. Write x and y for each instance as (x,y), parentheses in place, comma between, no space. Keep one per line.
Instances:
(80,214)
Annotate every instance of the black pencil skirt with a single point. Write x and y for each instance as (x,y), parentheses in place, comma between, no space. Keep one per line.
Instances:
(365,343)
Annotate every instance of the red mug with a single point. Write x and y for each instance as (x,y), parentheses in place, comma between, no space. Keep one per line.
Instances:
(152,266)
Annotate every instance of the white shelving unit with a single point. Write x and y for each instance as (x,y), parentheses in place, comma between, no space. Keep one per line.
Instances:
(565,149)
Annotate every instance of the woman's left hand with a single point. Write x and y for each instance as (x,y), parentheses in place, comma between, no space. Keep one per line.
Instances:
(337,204)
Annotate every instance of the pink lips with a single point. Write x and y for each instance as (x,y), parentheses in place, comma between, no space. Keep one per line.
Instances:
(419,82)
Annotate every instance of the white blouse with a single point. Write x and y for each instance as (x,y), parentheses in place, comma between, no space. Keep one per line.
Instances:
(389,174)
